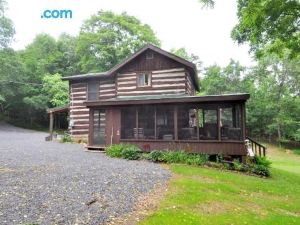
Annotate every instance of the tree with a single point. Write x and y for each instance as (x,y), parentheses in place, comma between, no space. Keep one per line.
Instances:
(271,26)
(182,52)
(56,90)
(273,109)
(7,30)
(41,57)
(268,26)
(68,60)
(226,80)
(11,70)
(107,38)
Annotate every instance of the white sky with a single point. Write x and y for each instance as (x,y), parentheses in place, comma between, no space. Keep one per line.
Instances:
(177,23)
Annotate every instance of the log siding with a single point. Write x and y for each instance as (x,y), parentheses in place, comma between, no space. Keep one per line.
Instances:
(78,111)
(170,81)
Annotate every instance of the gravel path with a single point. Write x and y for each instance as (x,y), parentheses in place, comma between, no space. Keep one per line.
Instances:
(53,183)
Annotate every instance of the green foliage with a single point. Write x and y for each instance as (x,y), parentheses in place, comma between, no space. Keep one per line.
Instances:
(125,151)
(273,109)
(175,157)
(66,137)
(156,156)
(182,52)
(7,30)
(208,3)
(269,26)
(115,150)
(107,38)
(56,90)
(196,159)
(131,152)
(200,195)
(261,170)
(237,165)
(263,161)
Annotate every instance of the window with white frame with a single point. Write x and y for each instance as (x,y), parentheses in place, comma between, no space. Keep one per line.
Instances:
(144,80)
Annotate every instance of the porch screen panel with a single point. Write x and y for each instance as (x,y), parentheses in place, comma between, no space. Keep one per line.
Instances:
(208,124)
(146,123)
(128,122)
(231,123)
(99,127)
(187,123)
(165,122)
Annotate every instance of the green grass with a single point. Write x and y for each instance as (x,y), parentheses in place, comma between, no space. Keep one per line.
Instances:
(297,151)
(208,196)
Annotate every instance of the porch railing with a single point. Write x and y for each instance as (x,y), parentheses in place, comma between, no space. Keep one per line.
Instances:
(257,148)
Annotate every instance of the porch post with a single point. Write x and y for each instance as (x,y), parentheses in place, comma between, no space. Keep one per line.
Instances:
(51,125)
(155,123)
(219,123)
(243,118)
(175,123)
(91,126)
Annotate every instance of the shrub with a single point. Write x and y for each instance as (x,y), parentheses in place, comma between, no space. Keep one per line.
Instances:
(262,161)
(156,156)
(131,152)
(196,159)
(114,150)
(261,170)
(66,138)
(236,165)
(175,157)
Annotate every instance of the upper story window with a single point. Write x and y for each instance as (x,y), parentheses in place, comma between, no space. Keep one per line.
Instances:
(144,79)
(93,90)
(149,55)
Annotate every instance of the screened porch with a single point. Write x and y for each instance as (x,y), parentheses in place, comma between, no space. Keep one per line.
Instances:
(183,122)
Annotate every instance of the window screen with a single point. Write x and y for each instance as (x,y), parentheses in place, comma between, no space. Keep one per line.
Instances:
(93,88)
(144,79)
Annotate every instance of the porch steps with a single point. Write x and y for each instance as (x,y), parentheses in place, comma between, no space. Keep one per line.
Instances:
(95,148)
(255,148)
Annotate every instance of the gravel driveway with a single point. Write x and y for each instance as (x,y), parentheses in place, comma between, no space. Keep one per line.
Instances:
(53,183)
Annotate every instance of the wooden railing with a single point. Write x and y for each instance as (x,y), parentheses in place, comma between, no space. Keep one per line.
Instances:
(257,148)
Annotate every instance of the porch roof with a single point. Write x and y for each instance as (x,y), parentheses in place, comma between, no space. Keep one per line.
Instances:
(166,99)
(60,109)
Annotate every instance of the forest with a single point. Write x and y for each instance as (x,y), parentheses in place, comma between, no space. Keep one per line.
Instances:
(30,79)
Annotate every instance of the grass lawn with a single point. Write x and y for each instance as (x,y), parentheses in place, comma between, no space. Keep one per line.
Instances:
(209,196)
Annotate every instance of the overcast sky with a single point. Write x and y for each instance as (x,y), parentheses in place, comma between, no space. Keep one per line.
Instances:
(177,23)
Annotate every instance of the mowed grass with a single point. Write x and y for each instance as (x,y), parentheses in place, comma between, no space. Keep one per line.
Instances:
(209,196)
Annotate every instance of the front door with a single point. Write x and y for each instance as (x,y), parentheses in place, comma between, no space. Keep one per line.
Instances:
(99,127)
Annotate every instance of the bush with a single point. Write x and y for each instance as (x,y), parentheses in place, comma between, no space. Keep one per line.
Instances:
(131,152)
(156,156)
(262,161)
(66,138)
(236,165)
(175,157)
(114,150)
(261,170)
(196,159)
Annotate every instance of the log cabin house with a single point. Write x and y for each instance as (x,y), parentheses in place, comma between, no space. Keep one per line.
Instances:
(150,100)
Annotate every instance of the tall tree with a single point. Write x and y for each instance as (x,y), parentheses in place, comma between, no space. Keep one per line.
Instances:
(268,26)
(7,30)
(183,53)
(107,38)
(68,59)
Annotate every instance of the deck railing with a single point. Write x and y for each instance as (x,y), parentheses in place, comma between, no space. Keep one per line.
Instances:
(257,148)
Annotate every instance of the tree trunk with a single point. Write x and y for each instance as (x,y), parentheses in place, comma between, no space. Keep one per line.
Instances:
(278,132)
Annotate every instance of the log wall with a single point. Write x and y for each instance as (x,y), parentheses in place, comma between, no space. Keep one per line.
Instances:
(172,81)
(79,114)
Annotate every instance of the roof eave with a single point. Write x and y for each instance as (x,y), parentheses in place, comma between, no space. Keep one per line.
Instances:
(190,99)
